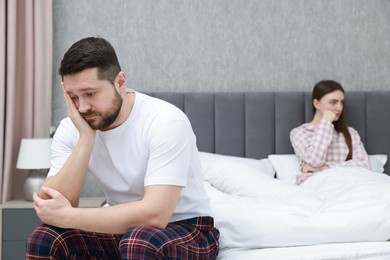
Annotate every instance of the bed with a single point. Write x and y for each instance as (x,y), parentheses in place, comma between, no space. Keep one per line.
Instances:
(256,126)
(249,167)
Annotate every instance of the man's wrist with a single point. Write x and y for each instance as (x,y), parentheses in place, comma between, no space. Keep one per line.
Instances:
(88,139)
(72,218)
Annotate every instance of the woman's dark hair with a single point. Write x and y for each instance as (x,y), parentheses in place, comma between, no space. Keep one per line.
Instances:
(91,52)
(321,89)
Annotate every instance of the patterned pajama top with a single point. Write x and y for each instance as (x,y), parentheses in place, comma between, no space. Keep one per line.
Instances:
(321,145)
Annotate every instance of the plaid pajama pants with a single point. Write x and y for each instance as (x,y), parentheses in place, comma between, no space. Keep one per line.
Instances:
(194,238)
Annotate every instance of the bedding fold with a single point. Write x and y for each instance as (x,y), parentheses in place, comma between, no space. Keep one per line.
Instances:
(253,210)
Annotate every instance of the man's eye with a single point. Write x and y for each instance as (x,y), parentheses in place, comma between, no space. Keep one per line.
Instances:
(90,94)
(74,98)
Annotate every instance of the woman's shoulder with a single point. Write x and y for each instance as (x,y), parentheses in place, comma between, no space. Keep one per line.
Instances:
(352,130)
(302,128)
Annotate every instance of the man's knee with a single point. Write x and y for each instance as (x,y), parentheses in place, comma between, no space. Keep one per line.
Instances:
(49,241)
(42,241)
(142,243)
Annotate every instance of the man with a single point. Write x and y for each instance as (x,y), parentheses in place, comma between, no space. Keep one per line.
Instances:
(141,151)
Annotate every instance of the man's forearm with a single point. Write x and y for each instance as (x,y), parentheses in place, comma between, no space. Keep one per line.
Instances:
(69,180)
(154,210)
(115,219)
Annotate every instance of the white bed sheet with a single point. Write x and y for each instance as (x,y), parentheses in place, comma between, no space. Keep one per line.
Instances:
(341,251)
(339,206)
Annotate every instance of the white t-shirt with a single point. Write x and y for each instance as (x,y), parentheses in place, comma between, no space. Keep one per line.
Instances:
(154,146)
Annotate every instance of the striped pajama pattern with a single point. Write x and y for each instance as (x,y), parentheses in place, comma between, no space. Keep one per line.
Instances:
(194,238)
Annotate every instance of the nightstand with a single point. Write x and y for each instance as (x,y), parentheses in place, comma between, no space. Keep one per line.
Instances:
(19,219)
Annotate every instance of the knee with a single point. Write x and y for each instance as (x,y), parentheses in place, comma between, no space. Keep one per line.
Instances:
(142,243)
(41,241)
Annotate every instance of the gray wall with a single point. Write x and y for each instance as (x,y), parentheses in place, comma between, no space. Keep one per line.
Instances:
(232,45)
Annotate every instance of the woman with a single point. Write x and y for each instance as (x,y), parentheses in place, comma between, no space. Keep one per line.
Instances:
(327,141)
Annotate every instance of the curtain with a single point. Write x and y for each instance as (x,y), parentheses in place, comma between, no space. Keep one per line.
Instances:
(25,84)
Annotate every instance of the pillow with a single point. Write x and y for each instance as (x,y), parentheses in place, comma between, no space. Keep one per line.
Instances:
(262,165)
(377,162)
(287,165)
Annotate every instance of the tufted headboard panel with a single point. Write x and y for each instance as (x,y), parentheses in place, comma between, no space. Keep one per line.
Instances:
(256,124)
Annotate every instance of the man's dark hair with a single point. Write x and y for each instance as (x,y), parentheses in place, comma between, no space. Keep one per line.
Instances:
(91,52)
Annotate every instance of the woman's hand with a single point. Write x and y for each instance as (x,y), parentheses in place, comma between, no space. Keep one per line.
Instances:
(306,168)
(329,116)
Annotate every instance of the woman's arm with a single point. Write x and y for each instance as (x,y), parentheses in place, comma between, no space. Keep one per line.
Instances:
(359,154)
(311,145)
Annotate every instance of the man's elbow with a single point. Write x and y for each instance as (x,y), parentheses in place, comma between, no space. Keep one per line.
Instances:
(43,195)
(159,221)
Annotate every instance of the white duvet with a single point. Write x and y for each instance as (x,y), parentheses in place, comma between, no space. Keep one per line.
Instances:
(253,210)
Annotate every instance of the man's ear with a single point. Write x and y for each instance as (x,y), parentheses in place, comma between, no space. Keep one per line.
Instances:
(120,82)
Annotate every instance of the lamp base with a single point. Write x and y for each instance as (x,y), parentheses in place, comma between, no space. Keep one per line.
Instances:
(34,182)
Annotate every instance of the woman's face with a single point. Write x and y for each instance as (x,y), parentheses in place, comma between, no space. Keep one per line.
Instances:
(333,102)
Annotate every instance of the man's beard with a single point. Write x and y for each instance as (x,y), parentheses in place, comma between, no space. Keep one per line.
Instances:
(102,121)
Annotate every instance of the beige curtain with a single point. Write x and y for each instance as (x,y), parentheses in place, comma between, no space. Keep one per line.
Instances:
(25,84)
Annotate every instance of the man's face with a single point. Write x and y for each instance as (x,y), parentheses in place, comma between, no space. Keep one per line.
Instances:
(98,102)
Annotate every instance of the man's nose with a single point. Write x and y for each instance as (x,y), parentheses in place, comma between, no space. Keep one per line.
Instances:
(84,106)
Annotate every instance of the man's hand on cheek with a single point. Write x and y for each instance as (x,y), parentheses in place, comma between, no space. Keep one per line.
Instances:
(81,124)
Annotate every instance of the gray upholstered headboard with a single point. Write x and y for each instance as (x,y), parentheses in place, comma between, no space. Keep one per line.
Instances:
(256,124)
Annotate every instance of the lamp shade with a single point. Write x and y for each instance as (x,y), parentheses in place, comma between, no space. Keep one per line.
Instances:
(34,154)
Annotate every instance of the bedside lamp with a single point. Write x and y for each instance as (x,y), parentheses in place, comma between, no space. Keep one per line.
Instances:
(34,155)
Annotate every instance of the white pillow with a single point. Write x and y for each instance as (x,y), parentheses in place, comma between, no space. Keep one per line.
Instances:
(377,162)
(287,165)
(262,165)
